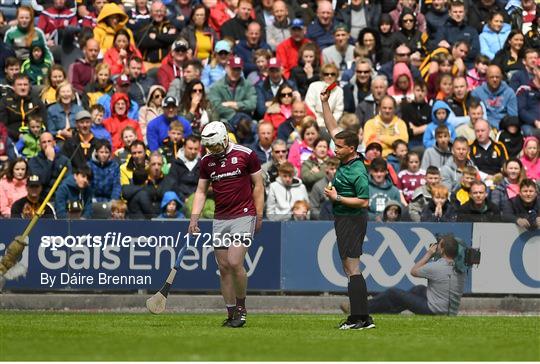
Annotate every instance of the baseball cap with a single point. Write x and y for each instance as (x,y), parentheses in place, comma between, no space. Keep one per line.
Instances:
(123,80)
(274,63)
(341,26)
(33,181)
(236,62)
(169,100)
(180,45)
(83,114)
(75,206)
(297,23)
(221,46)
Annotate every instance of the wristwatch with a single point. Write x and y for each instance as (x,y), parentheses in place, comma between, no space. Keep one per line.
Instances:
(339,198)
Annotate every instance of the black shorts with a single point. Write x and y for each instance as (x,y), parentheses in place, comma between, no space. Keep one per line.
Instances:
(350,233)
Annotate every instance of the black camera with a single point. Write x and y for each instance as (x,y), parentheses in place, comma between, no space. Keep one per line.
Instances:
(466,257)
(472,256)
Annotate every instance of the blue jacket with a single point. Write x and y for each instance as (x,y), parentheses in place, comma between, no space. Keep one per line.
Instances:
(212,74)
(499,103)
(105,101)
(453,32)
(316,32)
(106,180)
(429,133)
(68,192)
(56,117)
(520,78)
(100,132)
(492,42)
(528,97)
(48,171)
(264,93)
(168,197)
(158,130)
(243,51)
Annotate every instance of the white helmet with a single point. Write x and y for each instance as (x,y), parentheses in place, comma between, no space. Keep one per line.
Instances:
(215,133)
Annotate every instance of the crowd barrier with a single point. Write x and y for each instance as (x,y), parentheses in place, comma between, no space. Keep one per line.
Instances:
(284,256)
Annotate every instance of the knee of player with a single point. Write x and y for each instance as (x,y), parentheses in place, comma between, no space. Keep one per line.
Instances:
(236,265)
(224,268)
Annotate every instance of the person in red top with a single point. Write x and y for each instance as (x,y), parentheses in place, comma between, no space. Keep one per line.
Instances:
(119,120)
(287,51)
(235,174)
(55,19)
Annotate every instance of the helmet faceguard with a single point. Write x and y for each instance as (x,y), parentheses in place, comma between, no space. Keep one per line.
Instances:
(215,138)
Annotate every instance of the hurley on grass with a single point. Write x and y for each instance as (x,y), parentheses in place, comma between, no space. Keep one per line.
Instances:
(185,337)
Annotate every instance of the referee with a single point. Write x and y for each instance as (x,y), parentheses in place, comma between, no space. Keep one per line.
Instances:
(350,196)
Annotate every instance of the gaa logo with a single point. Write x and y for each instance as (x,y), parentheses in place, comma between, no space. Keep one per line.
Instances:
(524,259)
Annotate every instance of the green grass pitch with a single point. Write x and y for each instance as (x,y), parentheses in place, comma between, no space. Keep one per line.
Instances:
(186,337)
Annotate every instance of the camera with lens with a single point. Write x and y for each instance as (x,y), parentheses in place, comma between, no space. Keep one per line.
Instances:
(466,256)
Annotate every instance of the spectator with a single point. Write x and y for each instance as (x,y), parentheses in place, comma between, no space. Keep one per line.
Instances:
(301,150)
(37,65)
(81,145)
(476,76)
(139,14)
(172,144)
(262,57)
(439,208)
(152,109)
(359,86)
(529,158)
(497,96)
(479,13)
(28,143)
(300,211)
(192,72)
(317,198)
(369,107)
(110,20)
(436,16)
(48,164)
(179,12)
(387,40)
(438,154)
(486,154)
(219,13)
(82,72)
(398,154)
(386,127)
(381,189)
(283,193)
(456,29)
(524,209)
(392,212)
(308,69)
(75,188)
(121,85)
(320,30)
(26,207)
(21,35)
(278,30)
(248,45)
(13,185)
(55,76)
(407,6)
(402,88)
(230,106)
(137,158)
(510,57)
(510,136)
(289,130)
(270,168)
(402,53)
(172,65)
(365,14)
(215,69)
(412,176)
(263,146)
(195,106)
(61,116)
(158,128)
(200,36)
(525,75)
(237,27)
(288,52)
(369,46)
(139,203)
(522,14)
(341,53)
(410,30)
(97,128)
(268,89)
(118,210)
(478,208)
(528,98)
(513,174)
(121,53)
(461,195)
(155,37)
(184,172)
(459,101)
(329,75)
(11,69)
(314,168)
(106,174)
(451,172)
(171,207)
(15,110)
(417,114)
(494,34)
(476,111)
(129,135)
(280,108)
(119,119)
(102,85)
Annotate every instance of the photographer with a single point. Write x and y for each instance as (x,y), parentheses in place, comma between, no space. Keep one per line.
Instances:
(444,289)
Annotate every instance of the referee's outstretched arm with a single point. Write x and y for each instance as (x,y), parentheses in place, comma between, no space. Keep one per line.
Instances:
(329,120)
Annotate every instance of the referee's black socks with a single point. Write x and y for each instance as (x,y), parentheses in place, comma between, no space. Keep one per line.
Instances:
(358,298)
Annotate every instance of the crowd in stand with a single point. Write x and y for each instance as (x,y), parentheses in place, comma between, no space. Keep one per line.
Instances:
(443,94)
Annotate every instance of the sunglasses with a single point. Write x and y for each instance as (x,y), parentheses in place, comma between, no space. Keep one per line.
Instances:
(362,72)
(408,20)
(158,96)
(198,90)
(286,94)
(280,151)
(329,74)
(223,53)
(403,54)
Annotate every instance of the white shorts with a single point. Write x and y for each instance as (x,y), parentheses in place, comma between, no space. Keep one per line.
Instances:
(235,232)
